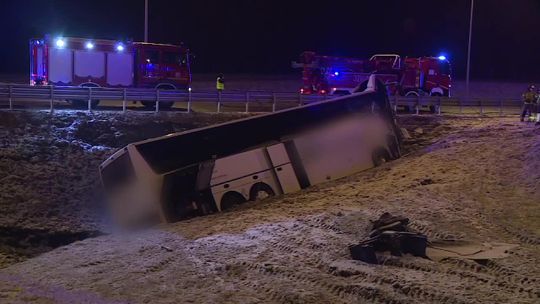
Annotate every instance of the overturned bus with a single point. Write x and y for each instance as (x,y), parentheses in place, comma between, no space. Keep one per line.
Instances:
(213,168)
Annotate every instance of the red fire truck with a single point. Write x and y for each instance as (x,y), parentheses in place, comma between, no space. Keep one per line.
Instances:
(405,77)
(83,62)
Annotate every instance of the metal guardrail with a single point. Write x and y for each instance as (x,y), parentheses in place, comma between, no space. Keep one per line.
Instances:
(16,93)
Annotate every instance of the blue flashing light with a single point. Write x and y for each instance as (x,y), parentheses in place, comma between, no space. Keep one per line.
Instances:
(336,73)
(89,45)
(120,47)
(442,57)
(60,43)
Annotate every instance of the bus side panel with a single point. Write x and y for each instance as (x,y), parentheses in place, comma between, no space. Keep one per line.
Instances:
(238,173)
(239,165)
(283,168)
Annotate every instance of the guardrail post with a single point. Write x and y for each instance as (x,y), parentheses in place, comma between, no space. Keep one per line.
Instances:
(157,100)
(417,106)
(189,101)
(10,97)
(247,102)
(273,102)
(51,106)
(300,101)
(395,103)
(460,101)
(219,102)
(481,107)
(372,107)
(439,106)
(501,108)
(89,99)
(124,95)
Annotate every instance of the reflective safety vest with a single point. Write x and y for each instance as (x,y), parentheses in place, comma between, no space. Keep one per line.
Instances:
(220,84)
(529,97)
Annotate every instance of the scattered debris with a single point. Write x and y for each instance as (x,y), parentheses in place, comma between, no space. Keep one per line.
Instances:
(390,233)
(427,181)
(166,248)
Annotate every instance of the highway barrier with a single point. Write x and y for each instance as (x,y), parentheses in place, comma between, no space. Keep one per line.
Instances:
(14,96)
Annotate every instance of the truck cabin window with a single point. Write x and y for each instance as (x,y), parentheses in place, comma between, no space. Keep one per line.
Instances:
(174,58)
(151,56)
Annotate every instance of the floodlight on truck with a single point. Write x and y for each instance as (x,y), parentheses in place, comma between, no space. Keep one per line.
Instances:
(60,43)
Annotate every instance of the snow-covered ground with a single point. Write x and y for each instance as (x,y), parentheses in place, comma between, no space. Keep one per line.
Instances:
(475,179)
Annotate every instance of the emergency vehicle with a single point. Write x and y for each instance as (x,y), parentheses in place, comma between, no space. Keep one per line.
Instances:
(402,76)
(65,61)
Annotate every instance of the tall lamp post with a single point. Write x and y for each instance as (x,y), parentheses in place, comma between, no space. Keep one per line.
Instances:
(145,20)
(469,52)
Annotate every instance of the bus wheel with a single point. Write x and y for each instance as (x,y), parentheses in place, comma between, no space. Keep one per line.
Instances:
(231,199)
(380,157)
(260,191)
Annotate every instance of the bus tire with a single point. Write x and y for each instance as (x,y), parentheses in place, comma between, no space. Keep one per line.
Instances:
(231,199)
(380,156)
(260,191)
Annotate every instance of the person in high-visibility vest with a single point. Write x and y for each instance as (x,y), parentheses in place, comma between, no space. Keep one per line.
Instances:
(529,99)
(220,83)
(537,107)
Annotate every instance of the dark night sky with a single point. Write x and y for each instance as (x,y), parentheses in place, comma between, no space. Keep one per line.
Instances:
(265,36)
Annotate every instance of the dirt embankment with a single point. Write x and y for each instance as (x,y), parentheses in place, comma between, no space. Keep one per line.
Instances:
(471,179)
(49,183)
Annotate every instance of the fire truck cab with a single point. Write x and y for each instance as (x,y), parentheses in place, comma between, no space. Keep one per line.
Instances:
(64,61)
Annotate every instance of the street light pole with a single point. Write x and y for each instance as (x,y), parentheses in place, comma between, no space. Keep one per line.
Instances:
(469,52)
(145,20)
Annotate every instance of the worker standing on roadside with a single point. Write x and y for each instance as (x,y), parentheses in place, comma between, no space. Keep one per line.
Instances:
(537,107)
(220,83)
(529,99)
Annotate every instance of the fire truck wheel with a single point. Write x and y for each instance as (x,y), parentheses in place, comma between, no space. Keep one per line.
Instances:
(162,104)
(380,156)
(82,104)
(260,191)
(433,108)
(166,104)
(231,199)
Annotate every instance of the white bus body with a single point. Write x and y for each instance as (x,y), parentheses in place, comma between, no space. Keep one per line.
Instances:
(154,179)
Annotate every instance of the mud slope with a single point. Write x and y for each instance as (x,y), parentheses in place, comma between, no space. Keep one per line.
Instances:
(49,183)
(479,180)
